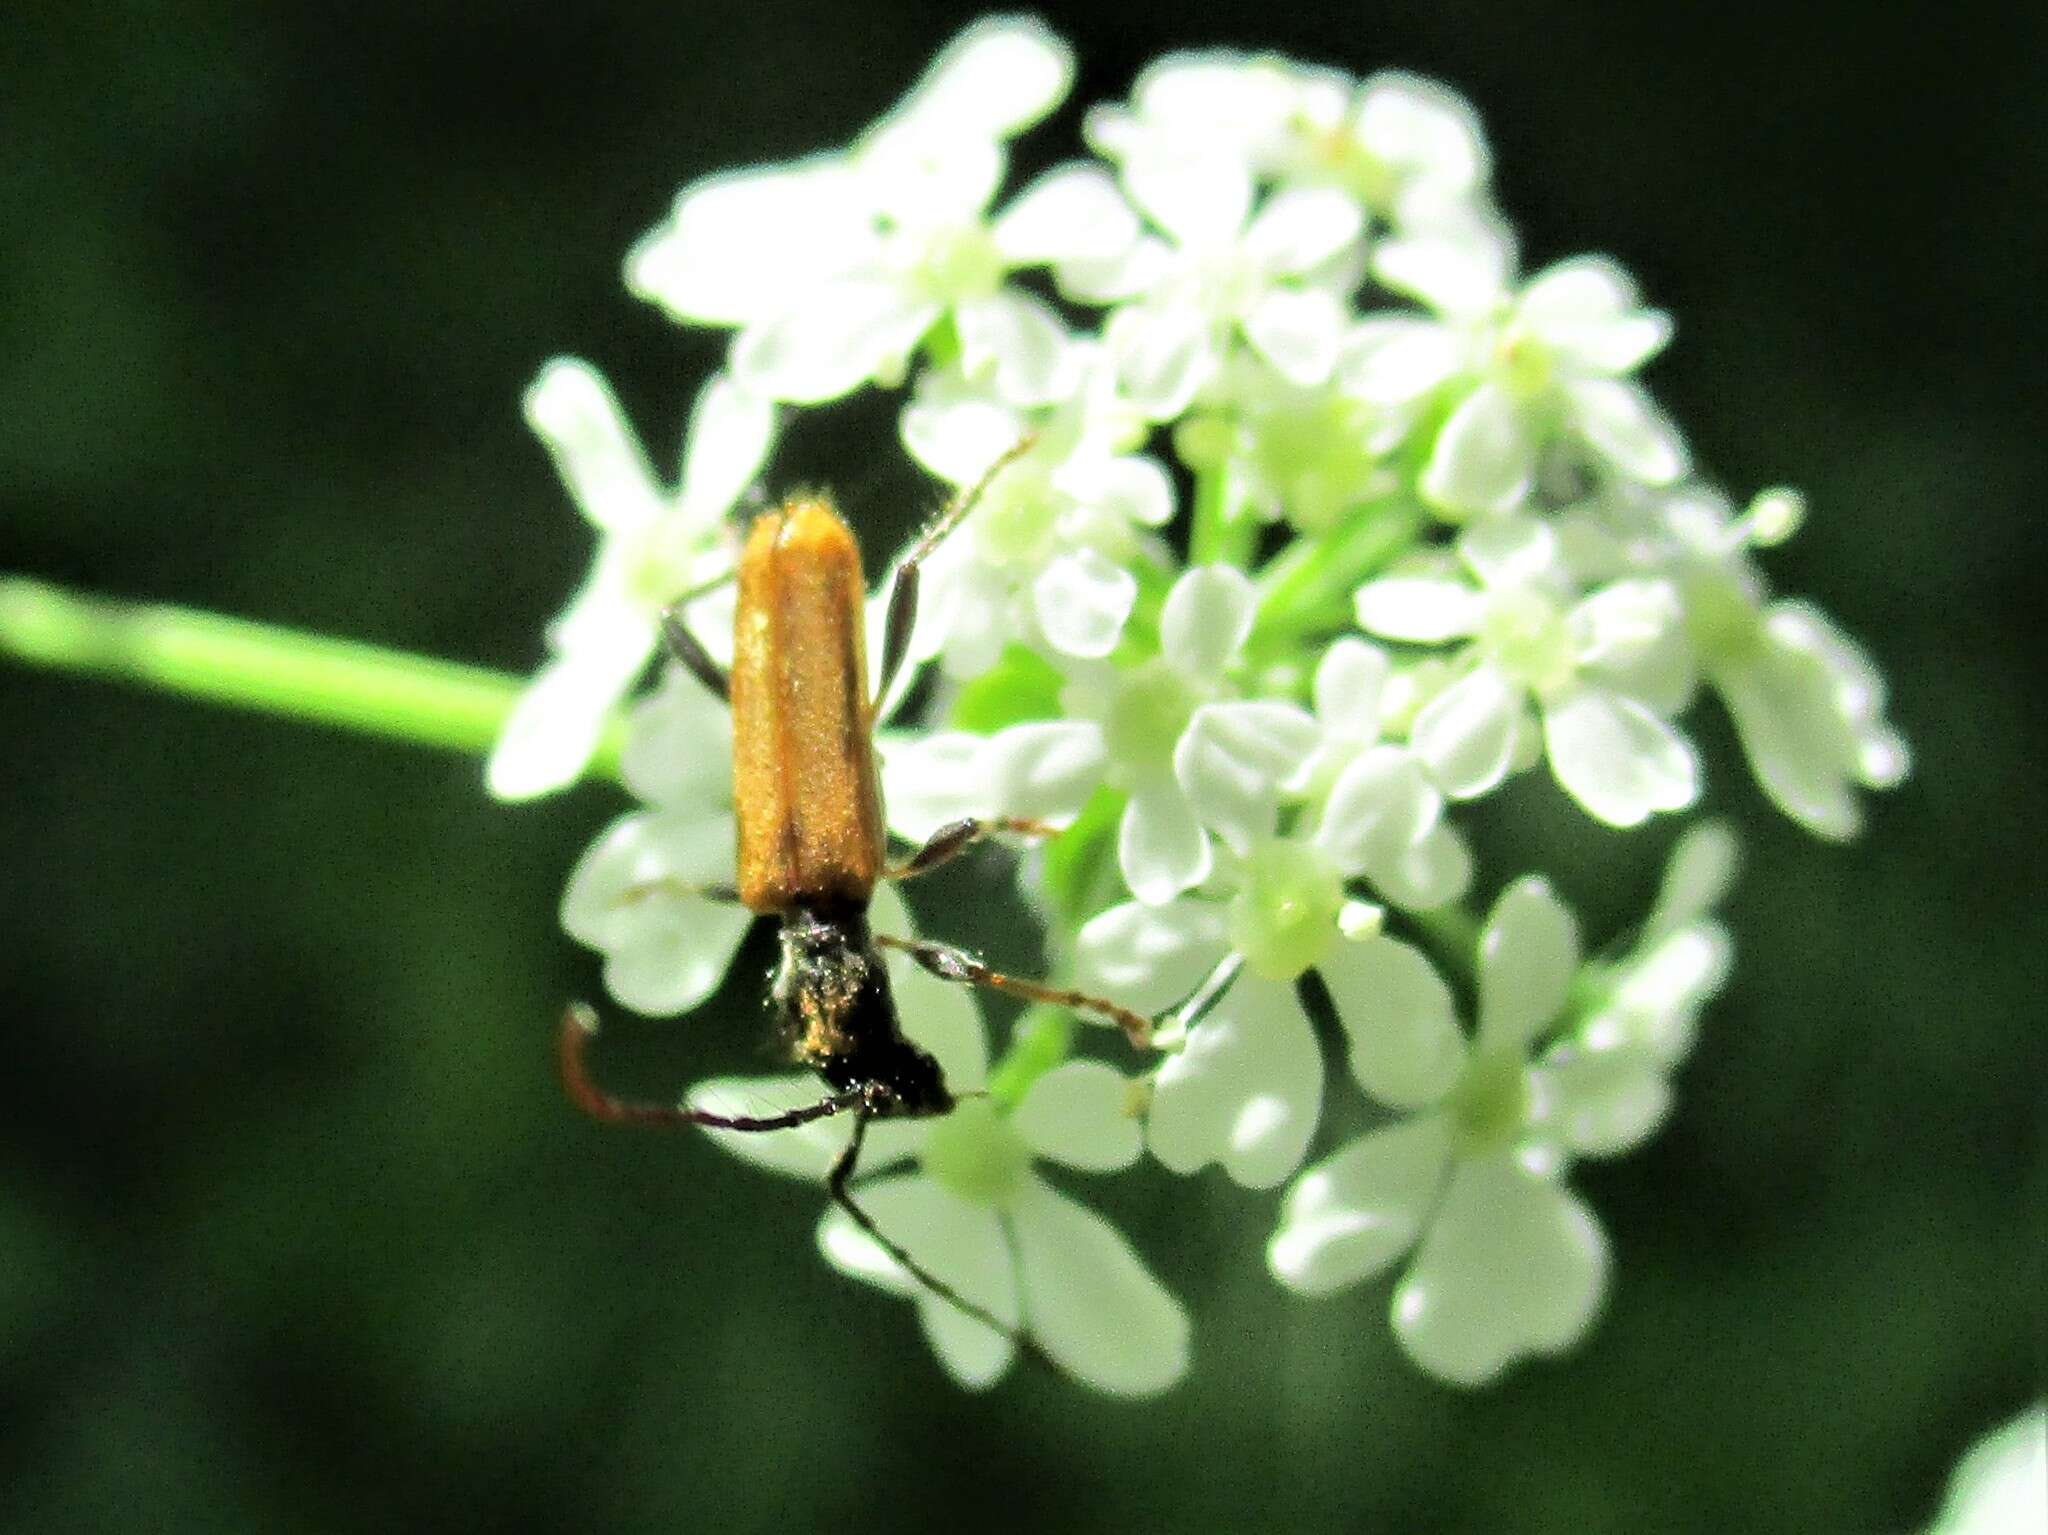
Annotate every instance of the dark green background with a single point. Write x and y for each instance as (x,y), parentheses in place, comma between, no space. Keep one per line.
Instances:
(295,1232)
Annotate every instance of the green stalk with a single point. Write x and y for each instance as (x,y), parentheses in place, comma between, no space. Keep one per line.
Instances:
(1309,586)
(264,667)
(1224,532)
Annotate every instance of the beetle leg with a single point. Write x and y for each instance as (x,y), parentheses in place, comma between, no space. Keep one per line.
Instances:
(683,645)
(837,1183)
(951,964)
(956,837)
(902,621)
(579,1023)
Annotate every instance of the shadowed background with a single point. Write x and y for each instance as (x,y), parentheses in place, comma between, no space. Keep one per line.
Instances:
(295,1231)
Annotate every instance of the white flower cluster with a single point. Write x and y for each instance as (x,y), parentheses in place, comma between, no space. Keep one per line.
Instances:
(1329,523)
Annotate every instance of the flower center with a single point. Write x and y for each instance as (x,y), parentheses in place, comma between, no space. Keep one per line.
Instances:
(1318,455)
(954,262)
(1146,719)
(1284,917)
(1490,1105)
(1720,619)
(1521,361)
(1015,521)
(1524,634)
(974,1153)
(663,559)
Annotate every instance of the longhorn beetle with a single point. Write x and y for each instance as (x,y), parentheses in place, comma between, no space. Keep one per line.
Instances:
(812,844)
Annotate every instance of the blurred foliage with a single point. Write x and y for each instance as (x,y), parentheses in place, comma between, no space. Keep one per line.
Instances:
(295,1233)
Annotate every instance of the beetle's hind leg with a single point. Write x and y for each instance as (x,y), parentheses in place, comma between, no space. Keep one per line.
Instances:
(951,964)
(838,1182)
(579,1024)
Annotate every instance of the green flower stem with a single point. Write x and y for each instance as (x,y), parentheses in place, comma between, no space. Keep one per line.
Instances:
(1308,588)
(1043,1038)
(273,670)
(1451,934)
(1225,532)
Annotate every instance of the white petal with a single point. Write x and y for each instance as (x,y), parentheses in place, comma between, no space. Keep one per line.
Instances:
(552,730)
(995,79)
(959,1243)
(1351,1216)
(1485,455)
(1300,228)
(1208,614)
(1435,871)
(1528,954)
(1380,806)
(957,432)
(1078,1113)
(1466,734)
(833,338)
(1615,757)
(575,414)
(1082,601)
(1459,279)
(1021,340)
(1134,489)
(1406,1047)
(1298,331)
(1423,610)
(1396,360)
(942,1016)
(1201,203)
(1697,878)
(1233,760)
(1605,1102)
(929,781)
(1424,129)
(1627,430)
(1511,551)
(1115,279)
(629,896)
(1161,846)
(1585,309)
(737,246)
(1090,1300)
(1804,754)
(1631,634)
(1151,957)
(1045,771)
(1164,354)
(678,751)
(1349,683)
(731,431)
(1512,1265)
(1244,1092)
(1071,213)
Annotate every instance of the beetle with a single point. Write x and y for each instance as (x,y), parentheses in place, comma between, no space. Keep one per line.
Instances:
(812,844)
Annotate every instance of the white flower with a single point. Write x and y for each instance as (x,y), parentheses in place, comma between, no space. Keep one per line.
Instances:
(1046,557)
(1313,456)
(963,1196)
(1277,276)
(1585,667)
(1407,149)
(1191,759)
(1807,702)
(653,546)
(1507,1261)
(1522,367)
(638,895)
(836,267)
